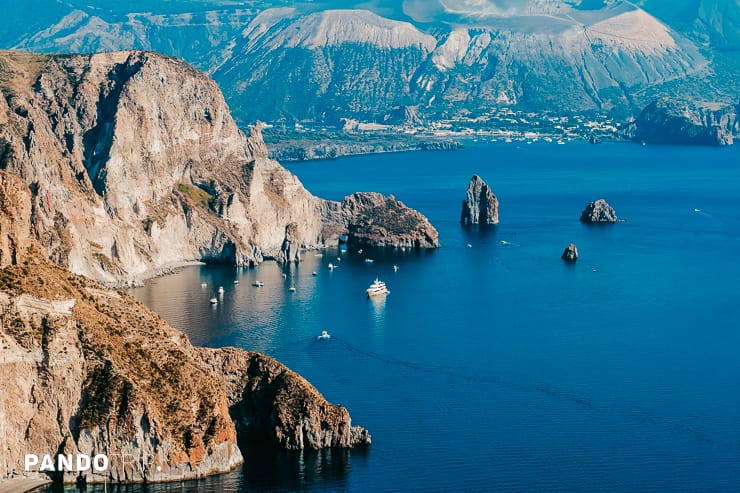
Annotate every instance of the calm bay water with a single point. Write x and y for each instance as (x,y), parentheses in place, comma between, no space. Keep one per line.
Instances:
(496,366)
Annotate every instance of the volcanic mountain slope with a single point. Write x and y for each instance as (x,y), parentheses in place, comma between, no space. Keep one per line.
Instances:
(433,59)
(134,164)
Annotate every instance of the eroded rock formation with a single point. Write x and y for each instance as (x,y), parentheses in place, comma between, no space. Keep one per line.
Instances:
(134,164)
(570,254)
(375,220)
(87,370)
(599,212)
(480,205)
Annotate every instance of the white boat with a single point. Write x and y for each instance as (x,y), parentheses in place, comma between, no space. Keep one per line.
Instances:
(331,266)
(220,290)
(203,285)
(324,335)
(291,289)
(214,301)
(258,284)
(314,273)
(369,260)
(236,281)
(395,268)
(378,288)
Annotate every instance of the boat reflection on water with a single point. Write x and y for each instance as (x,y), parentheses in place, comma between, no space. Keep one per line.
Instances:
(377,305)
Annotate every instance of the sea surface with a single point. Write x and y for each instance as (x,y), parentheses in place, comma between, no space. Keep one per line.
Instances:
(493,365)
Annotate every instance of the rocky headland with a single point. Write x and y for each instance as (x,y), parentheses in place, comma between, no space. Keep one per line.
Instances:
(599,211)
(113,166)
(87,370)
(668,121)
(480,205)
(134,164)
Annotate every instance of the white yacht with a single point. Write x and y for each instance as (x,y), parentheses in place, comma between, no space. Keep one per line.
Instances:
(331,266)
(214,301)
(378,288)
(258,284)
(324,335)
(291,289)
(220,290)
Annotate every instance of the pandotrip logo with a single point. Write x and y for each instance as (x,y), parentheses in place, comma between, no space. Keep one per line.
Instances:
(97,464)
(66,463)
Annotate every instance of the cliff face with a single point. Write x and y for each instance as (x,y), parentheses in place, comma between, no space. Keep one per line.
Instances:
(667,121)
(480,205)
(134,164)
(375,220)
(91,371)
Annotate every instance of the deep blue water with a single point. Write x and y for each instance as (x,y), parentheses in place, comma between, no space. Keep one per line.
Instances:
(497,367)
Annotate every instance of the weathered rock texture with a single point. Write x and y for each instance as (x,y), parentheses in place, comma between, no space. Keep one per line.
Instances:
(92,371)
(667,121)
(570,254)
(375,220)
(480,205)
(599,212)
(134,164)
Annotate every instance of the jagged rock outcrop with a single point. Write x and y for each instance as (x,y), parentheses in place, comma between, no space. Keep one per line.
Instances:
(599,212)
(275,405)
(134,164)
(85,370)
(481,205)
(570,254)
(375,220)
(15,218)
(667,121)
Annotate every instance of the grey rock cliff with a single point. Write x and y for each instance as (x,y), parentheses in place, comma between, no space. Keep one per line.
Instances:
(481,205)
(599,212)
(135,164)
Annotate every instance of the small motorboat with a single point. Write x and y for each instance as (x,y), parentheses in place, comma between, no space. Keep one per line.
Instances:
(395,268)
(285,276)
(214,301)
(236,281)
(359,251)
(324,335)
(369,261)
(314,273)
(203,285)
(332,266)
(291,289)
(258,284)
(220,290)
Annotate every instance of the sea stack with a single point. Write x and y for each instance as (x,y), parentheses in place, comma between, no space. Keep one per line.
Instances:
(599,212)
(570,254)
(481,205)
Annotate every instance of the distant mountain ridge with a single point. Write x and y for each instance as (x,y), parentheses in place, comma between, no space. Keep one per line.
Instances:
(304,61)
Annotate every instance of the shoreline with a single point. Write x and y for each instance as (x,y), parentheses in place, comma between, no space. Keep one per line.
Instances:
(23,485)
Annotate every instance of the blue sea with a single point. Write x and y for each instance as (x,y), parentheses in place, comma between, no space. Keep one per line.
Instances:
(493,365)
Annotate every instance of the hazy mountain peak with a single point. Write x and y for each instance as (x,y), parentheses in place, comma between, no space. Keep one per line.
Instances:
(335,27)
(633,30)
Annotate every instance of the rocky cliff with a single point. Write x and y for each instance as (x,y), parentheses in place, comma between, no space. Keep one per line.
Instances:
(480,205)
(134,163)
(375,220)
(668,121)
(85,370)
